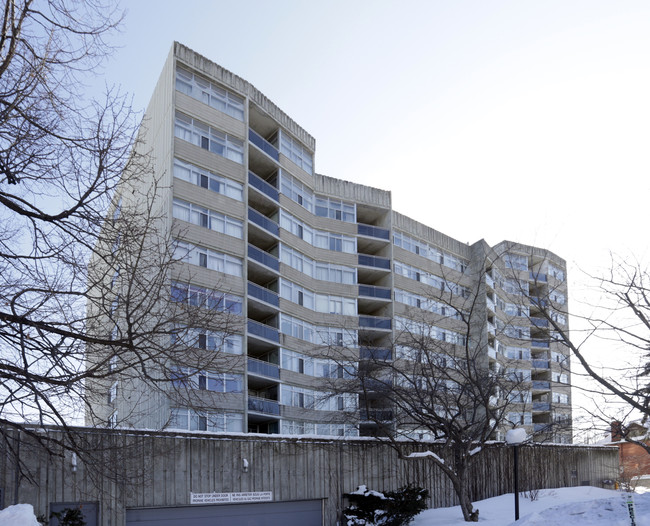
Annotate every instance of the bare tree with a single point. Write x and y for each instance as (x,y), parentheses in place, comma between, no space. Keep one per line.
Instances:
(86,268)
(441,378)
(615,316)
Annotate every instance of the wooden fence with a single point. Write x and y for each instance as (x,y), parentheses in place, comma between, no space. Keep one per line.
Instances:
(128,469)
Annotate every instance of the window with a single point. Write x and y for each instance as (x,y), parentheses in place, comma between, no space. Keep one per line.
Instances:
(517,353)
(557,297)
(189,420)
(515,261)
(204,257)
(429,252)
(297,294)
(207,298)
(415,300)
(520,419)
(560,377)
(295,151)
(516,310)
(208,138)
(317,238)
(560,398)
(556,272)
(205,179)
(519,397)
(112,393)
(296,191)
(206,218)
(210,93)
(208,380)
(518,375)
(336,209)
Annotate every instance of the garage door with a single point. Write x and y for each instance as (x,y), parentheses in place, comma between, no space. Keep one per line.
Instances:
(290,513)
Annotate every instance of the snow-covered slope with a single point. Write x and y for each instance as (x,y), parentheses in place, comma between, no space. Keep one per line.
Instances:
(581,506)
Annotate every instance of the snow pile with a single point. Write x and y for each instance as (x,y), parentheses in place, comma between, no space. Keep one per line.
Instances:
(579,506)
(18,515)
(363,490)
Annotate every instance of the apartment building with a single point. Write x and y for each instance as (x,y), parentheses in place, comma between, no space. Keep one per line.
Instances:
(313,264)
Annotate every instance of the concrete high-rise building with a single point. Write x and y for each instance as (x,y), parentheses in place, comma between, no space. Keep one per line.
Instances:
(312,263)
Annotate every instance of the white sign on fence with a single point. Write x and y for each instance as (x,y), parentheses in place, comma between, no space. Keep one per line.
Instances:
(224,498)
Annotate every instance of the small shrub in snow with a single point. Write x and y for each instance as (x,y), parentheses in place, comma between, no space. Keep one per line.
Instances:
(393,508)
(69,517)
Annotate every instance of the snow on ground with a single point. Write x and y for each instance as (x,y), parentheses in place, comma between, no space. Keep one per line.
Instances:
(580,506)
(18,515)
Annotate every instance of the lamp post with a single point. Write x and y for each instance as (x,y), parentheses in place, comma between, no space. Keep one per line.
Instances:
(515,437)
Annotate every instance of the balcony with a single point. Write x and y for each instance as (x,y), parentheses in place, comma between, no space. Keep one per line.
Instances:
(376,415)
(492,352)
(540,302)
(541,385)
(263,331)
(263,222)
(373,231)
(374,261)
(539,322)
(491,329)
(491,305)
(264,258)
(263,145)
(375,322)
(541,406)
(489,281)
(260,184)
(375,353)
(537,276)
(541,428)
(370,291)
(263,405)
(261,368)
(540,344)
(263,294)
(540,364)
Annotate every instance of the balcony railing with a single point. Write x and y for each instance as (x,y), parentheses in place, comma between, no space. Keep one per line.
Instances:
(538,428)
(541,406)
(262,294)
(266,188)
(540,302)
(375,353)
(375,415)
(375,292)
(540,364)
(542,344)
(539,322)
(540,384)
(489,281)
(492,353)
(264,258)
(263,331)
(538,276)
(374,261)
(375,322)
(263,405)
(261,220)
(263,145)
(262,368)
(373,231)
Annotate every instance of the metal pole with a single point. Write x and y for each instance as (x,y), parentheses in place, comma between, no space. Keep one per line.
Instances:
(516,451)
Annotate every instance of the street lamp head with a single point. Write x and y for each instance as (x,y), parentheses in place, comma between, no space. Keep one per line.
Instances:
(516,436)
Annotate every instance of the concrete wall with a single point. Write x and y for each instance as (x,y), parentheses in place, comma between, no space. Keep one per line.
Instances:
(140,469)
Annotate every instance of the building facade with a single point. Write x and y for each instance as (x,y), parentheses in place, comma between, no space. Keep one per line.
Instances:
(310,264)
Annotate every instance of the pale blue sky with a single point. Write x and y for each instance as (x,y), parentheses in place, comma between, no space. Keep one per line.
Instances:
(512,120)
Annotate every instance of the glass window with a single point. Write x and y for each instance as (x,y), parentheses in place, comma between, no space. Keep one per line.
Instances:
(210,93)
